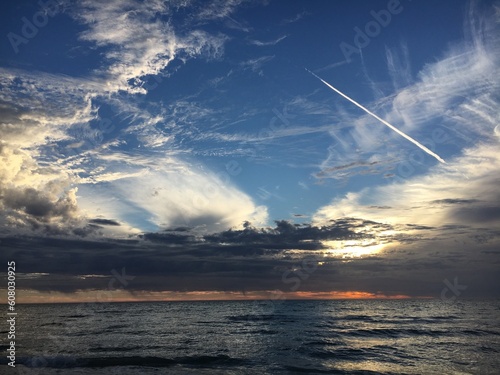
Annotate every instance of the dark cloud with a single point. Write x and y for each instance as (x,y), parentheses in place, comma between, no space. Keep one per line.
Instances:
(231,260)
(455,201)
(251,259)
(328,172)
(37,204)
(478,214)
(418,227)
(169,238)
(294,236)
(104,222)
(354,168)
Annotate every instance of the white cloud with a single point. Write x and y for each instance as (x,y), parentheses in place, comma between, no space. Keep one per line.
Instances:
(139,40)
(267,43)
(294,19)
(38,108)
(257,63)
(159,192)
(467,184)
(216,9)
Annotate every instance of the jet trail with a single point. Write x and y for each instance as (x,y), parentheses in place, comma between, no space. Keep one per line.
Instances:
(381,120)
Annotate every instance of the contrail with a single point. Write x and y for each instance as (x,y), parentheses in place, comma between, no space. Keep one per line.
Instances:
(381,120)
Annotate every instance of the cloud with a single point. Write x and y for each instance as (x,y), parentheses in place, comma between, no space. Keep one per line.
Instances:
(104,222)
(217,9)
(36,204)
(461,192)
(35,196)
(341,172)
(459,111)
(268,43)
(443,108)
(160,192)
(295,18)
(399,66)
(256,64)
(231,260)
(51,126)
(38,108)
(284,258)
(139,40)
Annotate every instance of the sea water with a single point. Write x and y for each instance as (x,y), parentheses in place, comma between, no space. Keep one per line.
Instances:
(258,337)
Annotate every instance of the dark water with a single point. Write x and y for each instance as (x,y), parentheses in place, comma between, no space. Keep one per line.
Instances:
(286,337)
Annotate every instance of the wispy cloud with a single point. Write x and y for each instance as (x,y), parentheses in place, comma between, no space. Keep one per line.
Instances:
(295,18)
(456,109)
(456,201)
(267,43)
(215,9)
(406,136)
(256,64)
(460,193)
(139,40)
(165,192)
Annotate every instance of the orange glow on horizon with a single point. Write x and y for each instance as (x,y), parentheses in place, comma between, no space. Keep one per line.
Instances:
(350,295)
(96,296)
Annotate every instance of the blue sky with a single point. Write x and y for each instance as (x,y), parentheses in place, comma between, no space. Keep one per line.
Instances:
(125,117)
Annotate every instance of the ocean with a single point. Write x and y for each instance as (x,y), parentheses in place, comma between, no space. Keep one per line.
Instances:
(264,337)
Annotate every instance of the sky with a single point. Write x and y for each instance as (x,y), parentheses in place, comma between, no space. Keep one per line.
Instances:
(160,150)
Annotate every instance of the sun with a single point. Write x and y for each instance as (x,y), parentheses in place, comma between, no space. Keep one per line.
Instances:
(352,248)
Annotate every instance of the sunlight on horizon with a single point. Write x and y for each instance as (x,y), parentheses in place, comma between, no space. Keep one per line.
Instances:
(352,248)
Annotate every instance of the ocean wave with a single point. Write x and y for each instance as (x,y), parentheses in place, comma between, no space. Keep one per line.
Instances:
(59,324)
(142,361)
(479,332)
(396,332)
(310,370)
(261,318)
(313,370)
(364,318)
(350,354)
(101,349)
